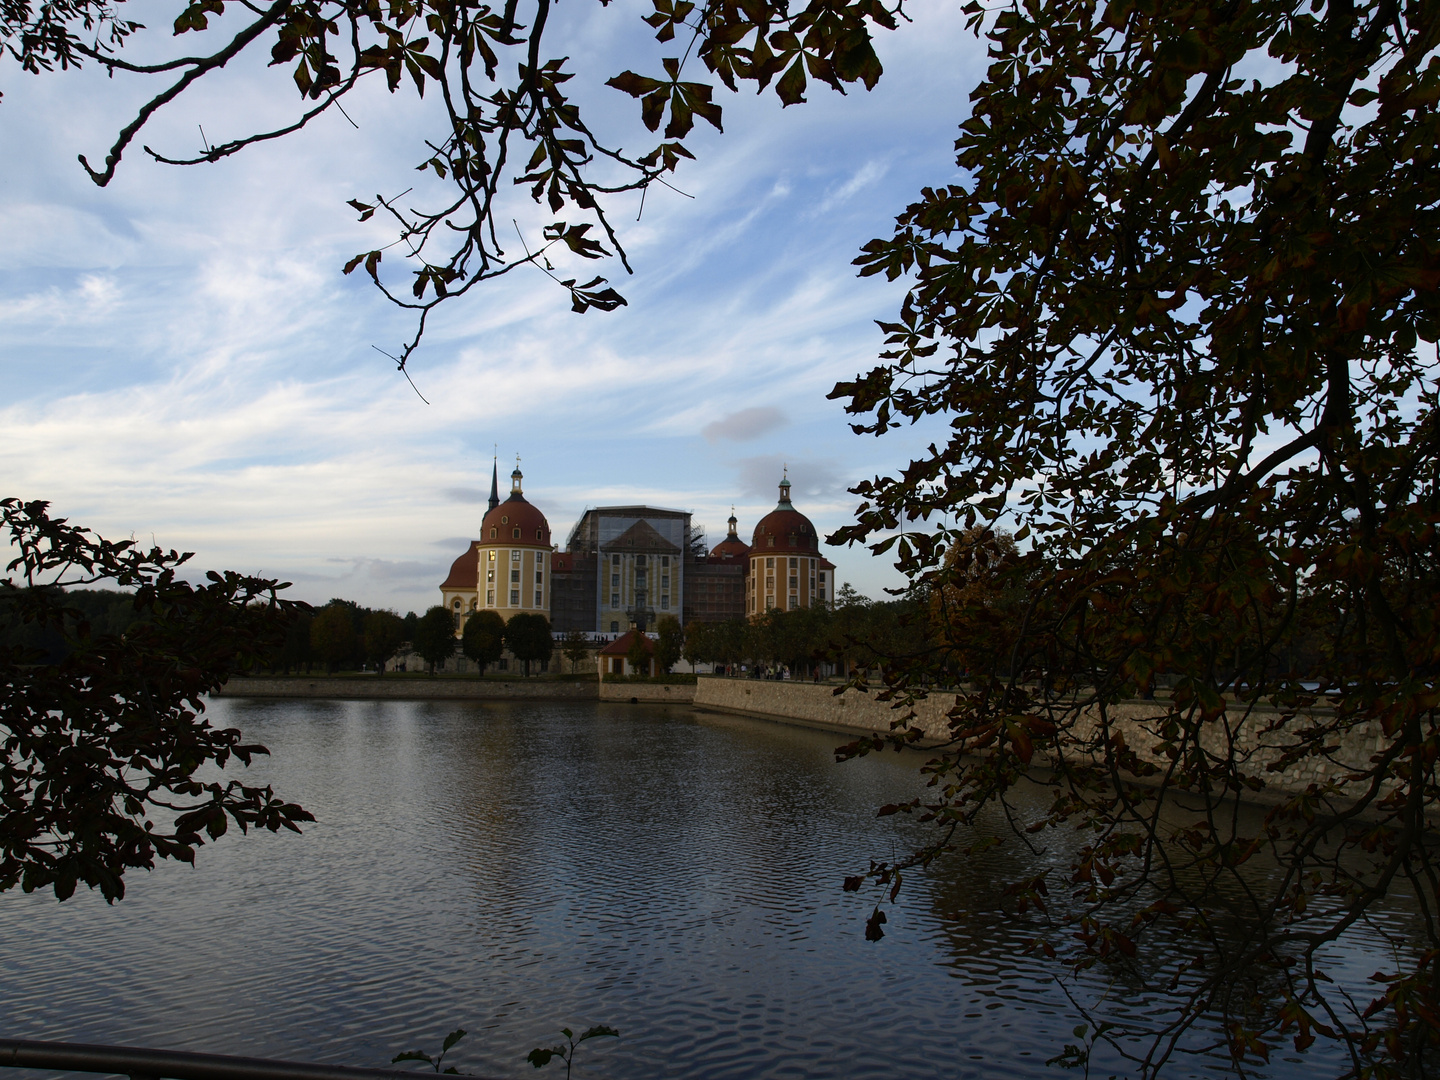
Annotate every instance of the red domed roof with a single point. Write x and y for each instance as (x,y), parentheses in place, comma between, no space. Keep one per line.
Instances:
(785,528)
(499,525)
(732,548)
(464,571)
(729,550)
(515,513)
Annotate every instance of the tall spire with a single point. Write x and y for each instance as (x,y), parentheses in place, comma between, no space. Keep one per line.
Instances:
(494,482)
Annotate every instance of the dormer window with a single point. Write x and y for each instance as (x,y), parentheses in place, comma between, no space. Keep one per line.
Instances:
(517,533)
(538,533)
(494,532)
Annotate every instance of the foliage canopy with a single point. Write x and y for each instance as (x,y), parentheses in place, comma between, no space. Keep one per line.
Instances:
(1177,320)
(103,738)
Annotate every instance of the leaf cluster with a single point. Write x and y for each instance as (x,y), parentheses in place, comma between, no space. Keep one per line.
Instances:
(104,737)
(1175,322)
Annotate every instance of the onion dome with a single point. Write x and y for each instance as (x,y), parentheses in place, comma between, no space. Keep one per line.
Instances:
(785,528)
(464,571)
(515,520)
(732,548)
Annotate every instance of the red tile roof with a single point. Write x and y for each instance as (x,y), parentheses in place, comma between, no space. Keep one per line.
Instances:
(621,645)
(464,571)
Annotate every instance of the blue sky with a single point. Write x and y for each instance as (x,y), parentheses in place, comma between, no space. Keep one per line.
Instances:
(182,357)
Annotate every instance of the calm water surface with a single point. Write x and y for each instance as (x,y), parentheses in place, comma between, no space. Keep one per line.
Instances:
(516,868)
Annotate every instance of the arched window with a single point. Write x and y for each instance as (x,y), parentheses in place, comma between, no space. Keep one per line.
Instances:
(494,532)
(538,534)
(517,533)
(456,605)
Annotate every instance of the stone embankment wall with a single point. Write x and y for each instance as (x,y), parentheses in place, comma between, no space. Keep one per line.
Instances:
(819,706)
(384,688)
(816,705)
(682,694)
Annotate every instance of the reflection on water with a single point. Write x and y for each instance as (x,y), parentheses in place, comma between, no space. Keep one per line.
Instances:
(516,868)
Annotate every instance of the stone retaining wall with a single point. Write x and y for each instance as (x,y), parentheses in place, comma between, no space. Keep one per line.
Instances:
(681,693)
(817,705)
(401,689)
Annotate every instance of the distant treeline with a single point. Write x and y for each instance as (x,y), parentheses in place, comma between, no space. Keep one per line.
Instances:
(857,633)
(340,635)
(107,611)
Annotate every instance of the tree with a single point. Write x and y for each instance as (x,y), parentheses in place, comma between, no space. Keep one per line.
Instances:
(434,637)
(1169,317)
(699,642)
(332,635)
(528,636)
(639,654)
(502,100)
(979,612)
(296,648)
(103,739)
(384,634)
(670,642)
(576,648)
(483,639)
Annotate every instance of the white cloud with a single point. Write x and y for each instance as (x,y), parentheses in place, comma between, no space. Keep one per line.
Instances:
(184,357)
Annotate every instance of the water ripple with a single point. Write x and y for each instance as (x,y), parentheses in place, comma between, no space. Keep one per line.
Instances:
(515,868)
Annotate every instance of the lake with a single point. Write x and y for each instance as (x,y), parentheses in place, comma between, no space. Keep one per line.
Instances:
(514,868)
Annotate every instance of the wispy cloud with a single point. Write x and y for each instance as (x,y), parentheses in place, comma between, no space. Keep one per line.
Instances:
(182,355)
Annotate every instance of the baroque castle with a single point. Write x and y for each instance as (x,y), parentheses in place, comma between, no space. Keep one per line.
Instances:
(625,566)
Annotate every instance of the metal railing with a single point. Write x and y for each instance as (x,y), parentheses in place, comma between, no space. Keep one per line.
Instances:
(142,1064)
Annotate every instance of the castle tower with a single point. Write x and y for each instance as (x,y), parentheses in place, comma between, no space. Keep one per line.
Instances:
(514,554)
(786,568)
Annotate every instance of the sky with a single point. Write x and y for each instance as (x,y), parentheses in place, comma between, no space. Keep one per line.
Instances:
(183,360)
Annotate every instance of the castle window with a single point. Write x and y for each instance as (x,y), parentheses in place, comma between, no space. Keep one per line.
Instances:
(794,563)
(492,554)
(505,520)
(614,599)
(769,563)
(514,597)
(490,574)
(794,603)
(770,541)
(494,532)
(517,533)
(537,534)
(614,581)
(614,627)
(489,597)
(794,582)
(665,561)
(614,560)
(539,599)
(539,576)
(515,576)
(664,581)
(515,556)
(456,605)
